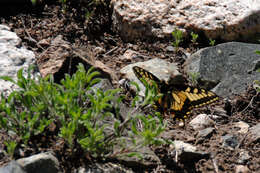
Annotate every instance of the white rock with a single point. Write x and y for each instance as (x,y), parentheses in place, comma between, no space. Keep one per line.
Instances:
(13,57)
(225,19)
(202,121)
(243,127)
(162,69)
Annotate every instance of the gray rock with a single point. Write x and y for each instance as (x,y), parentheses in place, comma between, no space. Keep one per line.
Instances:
(160,68)
(201,121)
(227,20)
(13,58)
(12,167)
(205,133)
(40,163)
(104,168)
(170,49)
(231,67)
(149,159)
(230,141)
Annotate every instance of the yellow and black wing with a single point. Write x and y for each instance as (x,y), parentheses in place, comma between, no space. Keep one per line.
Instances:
(177,100)
(181,102)
(145,75)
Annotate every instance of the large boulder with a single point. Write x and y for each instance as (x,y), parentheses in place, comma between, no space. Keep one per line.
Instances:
(13,57)
(231,67)
(224,19)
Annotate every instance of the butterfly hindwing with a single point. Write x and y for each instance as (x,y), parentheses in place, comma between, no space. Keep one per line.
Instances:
(200,97)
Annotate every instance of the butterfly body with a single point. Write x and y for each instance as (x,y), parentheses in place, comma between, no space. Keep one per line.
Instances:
(177,99)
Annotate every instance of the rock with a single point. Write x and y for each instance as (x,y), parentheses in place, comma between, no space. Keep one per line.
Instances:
(241,169)
(104,168)
(44,43)
(205,133)
(216,19)
(52,60)
(254,133)
(131,55)
(228,66)
(187,152)
(149,158)
(244,157)
(230,141)
(2,153)
(57,60)
(219,112)
(170,49)
(12,167)
(99,50)
(13,58)
(160,68)
(243,127)
(201,121)
(40,163)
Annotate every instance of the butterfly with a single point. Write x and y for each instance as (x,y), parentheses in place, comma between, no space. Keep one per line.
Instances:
(177,99)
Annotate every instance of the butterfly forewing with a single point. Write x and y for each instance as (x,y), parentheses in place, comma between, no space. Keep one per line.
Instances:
(143,74)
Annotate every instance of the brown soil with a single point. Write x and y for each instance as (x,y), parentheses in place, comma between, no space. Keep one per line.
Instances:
(45,21)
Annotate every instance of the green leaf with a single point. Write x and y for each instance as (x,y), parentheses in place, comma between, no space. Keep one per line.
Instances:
(7,78)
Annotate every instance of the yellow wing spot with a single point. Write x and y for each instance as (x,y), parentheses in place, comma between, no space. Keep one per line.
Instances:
(188,89)
(191,97)
(200,95)
(195,91)
(210,94)
(205,95)
(196,96)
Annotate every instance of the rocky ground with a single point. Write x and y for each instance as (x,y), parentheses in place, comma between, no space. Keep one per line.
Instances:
(38,25)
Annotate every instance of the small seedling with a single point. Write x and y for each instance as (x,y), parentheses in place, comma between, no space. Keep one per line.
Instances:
(10,145)
(194,76)
(194,37)
(178,38)
(212,42)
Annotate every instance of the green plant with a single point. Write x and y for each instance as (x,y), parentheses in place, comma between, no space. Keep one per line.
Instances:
(22,112)
(212,42)
(10,145)
(194,37)
(178,38)
(85,116)
(34,2)
(194,76)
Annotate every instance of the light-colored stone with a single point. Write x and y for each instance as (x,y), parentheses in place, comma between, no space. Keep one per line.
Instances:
(201,121)
(13,58)
(12,167)
(224,19)
(243,127)
(241,169)
(160,68)
(254,133)
(185,152)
